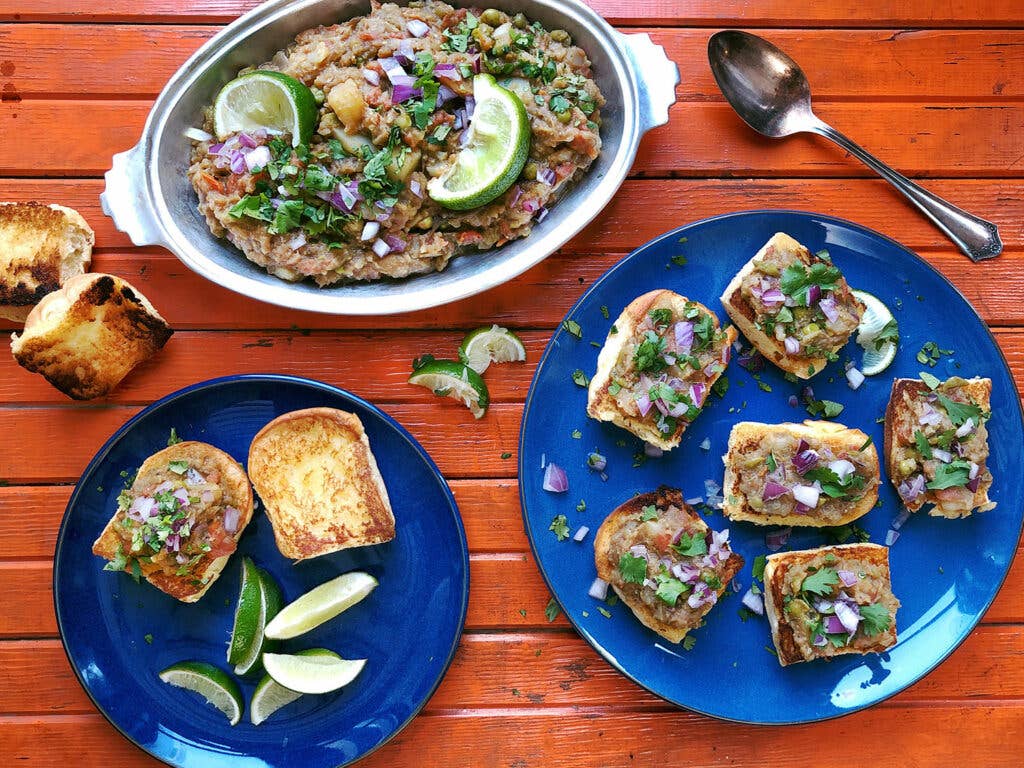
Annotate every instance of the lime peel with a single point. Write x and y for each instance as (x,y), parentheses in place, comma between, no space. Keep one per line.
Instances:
(269,100)
(210,682)
(319,605)
(454,379)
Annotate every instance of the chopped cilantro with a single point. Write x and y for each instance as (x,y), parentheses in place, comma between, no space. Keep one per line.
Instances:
(690,546)
(661,316)
(820,582)
(922,444)
(573,328)
(582,506)
(832,486)
(576,434)
(614,388)
(552,610)
(579,377)
(650,512)
(679,260)
(173,439)
(604,611)
(960,412)
(889,332)
(670,588)
(632,569)
(178,467)
(931,353)
(875,618)
(950,475)
(506,455)
(721,386)
(797,278)
(759,563)
(688,642)
(771,463)
(560,527)
(842,533)
(148,638)
(604,311)
(119,562)
(648,353)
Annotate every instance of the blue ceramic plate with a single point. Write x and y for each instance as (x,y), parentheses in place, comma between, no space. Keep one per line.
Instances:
(944,572)
(119,634)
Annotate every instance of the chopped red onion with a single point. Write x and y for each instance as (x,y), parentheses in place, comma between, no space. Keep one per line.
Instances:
(820,641)
(900,519)
(890,537)
(416,188)
(842,468)
(912,487)
(849,578)
(972,484)
(829,308)
(173,542)
(555,479)
(417,28)
(596,462)
(581,533)
(247,141)
(142,508)
(393,69)
(405,53)
(752,360)
(371,76)
(805,459)
(848,614)
(638,550)
(530,205)
(813,295)
(381,248)
(929,416)
(444,95)
(965,429)
(643,403)
(182,496)
(198,134)
(823,605)
(395,243)
(942,455)
(231,519)
(470,105)
(854,378)
(546,176)
(834,625)
(753,603)
(237,163)
(697,393)
(792,345)
(206,496)
(598,589)
(215,149)
(403,92)
(166,485)
(772,296)
(776,540)
(449,71)
(542,214)
(653,451)
(793,402)
(370,230)
(774,490)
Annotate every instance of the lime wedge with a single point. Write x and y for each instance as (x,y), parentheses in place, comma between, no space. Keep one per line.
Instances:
(270,696)
(450,378)
(251,616)
(210,682)
(495,152)
(311,674)
(491,345)
(877,334)
(320,604)
(269,100)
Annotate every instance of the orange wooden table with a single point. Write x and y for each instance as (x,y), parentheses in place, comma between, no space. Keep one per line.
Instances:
(935,87)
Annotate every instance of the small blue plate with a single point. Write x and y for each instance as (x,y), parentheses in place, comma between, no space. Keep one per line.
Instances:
(946,573)
(118,634)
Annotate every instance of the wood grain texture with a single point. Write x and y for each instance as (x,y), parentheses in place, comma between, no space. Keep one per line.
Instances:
(703,139)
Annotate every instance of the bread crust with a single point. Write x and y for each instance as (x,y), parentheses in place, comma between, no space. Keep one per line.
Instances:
(87,336)
(980,391)
(662,498)
(320,483)
(41,247)
(836,436)
(601,404)
(237,494)
(775,569)
(742,315)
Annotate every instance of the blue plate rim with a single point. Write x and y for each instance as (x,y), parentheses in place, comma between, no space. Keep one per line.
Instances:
(223,381)
(548,349)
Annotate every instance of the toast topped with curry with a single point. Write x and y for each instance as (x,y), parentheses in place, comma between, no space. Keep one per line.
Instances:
(319,483)
(936,444)
(41,248)
(180,520)
(664,562)
(830,601)
(813,474)
(794,306)
(655,372)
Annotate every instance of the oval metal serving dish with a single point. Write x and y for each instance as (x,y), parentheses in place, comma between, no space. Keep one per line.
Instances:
(150,198)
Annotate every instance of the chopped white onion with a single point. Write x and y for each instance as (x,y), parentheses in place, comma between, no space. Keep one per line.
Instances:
(753,603)
(581,533)
(381,248)
(371,77)
(975,469)
(417,28)
(231,518)
(942,455)
(370,230)
(900,519)
(891,536)
(842,468)
(693,502)
(198,134)
(705,444)
(598,589)
(258,158)
(854,378)
(415,188)
(965,428)
(297,242)
(807,495)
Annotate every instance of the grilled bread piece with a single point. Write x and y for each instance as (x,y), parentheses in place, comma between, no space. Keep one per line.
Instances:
(180,521)
(773,306)
(663,344)
(850,583)
(664,562)
(41,247)
(936,445)
(319,483)
(774,471)
(89,335)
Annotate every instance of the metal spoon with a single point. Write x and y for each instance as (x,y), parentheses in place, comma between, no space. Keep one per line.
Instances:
(771,93)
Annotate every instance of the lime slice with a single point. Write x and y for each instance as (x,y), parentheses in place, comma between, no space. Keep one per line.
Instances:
(269,100)
(270,696)
(876,319)
(496,149)
(450,378)
(491,345)
(320,604)
(311,674)
(210,682)
(248,641)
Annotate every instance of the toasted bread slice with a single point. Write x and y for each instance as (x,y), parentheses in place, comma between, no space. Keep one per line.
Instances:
(41,248)
(748,471)
(908,400)
(216,483)
(784,574)
(611,395)
(744,316)
(86,337)
(319,483)
(624,530)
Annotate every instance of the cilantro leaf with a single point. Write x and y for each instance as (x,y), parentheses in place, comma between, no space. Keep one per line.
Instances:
(796,278)
(172,439)
(688,642)
(661,316)
(580,378)
(560,527)
(759,563)
(690,546)
(573,328)
(632,569)
(831,485)
(950,475)
(650,512)
(889,332)
(178,467)
(820,582)
(552,610)
(670,588)
(960,412)
(721,386)
(922,444)
(875,618)
(930,380)
(648,353)
(119,561)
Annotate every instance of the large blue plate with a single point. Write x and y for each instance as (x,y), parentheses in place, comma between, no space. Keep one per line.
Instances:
(119,634)
(946,573)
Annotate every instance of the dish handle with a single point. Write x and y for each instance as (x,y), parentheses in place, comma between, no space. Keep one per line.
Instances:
(657,77)
(124,198)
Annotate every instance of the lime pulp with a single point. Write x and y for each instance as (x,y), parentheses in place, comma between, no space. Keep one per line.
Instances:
(484,346)
(877,316)
(269,100)
(311,674)
(320,604)
(210,682)
(451,378)
(271,696)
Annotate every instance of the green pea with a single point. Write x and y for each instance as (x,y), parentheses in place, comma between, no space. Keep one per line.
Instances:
(564,117)
(530,170)
(519,21)
(561,36)
(425,223)
(492,16)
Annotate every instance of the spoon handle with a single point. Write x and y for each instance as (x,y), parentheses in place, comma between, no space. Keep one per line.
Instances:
(977,238)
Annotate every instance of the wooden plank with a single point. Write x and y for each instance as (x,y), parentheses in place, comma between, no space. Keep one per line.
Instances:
(702,140)
(583,738)
(766,13)
(59,60)
(30,516)
(550,669)
(318,355)
(506,592)
(443,428)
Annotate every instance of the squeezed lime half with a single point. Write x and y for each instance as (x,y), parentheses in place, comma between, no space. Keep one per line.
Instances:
(273,101)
